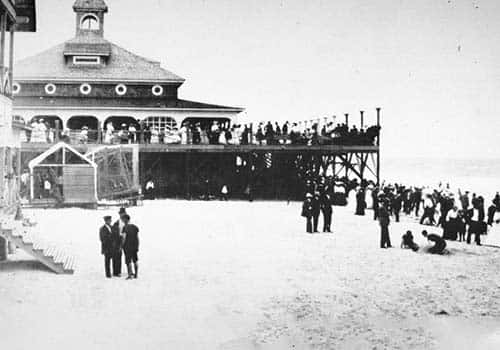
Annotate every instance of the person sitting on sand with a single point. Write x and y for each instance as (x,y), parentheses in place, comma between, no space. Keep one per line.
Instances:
(439,243)
(408,243)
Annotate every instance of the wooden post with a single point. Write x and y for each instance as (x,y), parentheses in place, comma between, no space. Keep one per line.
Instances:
(347,119)
(3,26)
(250,142)
(362,119)
(2,176)
(58,131)
(11,57)
(378,147)
(135,165)
(188,176)
(99,132)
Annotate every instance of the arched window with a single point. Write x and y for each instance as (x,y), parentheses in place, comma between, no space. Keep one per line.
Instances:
(160,123)
(89,22)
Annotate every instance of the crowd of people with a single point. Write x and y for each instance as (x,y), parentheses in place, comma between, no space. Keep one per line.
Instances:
(214,133)
(460,216)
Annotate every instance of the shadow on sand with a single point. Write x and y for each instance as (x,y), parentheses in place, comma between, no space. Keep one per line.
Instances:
(22,265)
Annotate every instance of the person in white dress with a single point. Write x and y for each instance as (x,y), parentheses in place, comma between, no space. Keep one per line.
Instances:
(108,136)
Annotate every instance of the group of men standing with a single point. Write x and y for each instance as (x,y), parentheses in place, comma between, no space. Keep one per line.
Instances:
(320,202)
(120,238)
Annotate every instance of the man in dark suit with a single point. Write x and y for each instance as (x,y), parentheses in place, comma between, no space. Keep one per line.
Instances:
(316,211)
(307,212)
(384,220)
(118,236)
(106,238)
(326,209)
(131,247)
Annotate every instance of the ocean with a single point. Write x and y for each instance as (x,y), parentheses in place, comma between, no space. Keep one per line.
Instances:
(481,176)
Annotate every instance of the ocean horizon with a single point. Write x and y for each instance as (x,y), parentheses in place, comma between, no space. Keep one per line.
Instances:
(478,175)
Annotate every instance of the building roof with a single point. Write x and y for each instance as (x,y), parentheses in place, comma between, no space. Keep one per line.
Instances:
(122,66)
(97,103)
(88,5)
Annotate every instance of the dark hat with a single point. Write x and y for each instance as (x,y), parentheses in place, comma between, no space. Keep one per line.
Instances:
(122,211)
(107,217)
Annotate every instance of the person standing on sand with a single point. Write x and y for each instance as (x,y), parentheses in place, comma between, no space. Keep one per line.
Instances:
(360,202)
(396,205)
(131,247)
(106,237)
(307,212)
(326,209)
(118,236)
(384,221)
(476,220)
(375,202)
(316,211)
(429,209)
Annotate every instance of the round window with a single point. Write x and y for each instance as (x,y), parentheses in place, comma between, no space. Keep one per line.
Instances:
(50,89)
(121,89)
(157,90)
(16,88)
(85,89)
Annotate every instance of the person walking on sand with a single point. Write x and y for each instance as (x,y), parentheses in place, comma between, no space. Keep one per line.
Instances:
(117,230)
(131,247)
(384,221)
(106,237)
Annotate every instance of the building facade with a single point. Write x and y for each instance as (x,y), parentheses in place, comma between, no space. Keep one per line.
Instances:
(14,16)
(89,82)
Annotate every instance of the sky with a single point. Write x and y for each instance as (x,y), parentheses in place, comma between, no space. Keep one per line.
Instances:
(433,66)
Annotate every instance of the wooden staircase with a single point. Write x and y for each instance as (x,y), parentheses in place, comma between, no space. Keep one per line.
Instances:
(26,239)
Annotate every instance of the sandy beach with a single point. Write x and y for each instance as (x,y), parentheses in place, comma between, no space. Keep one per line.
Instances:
(238,275)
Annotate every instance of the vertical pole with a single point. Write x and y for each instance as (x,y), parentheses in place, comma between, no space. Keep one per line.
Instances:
(378,146)
(250,141)
(99,131)
(11,57)
(58,131)
(140,139)
(347,119)
(2,176)
(188,176)
(362,119)
(3,25)
(135,165)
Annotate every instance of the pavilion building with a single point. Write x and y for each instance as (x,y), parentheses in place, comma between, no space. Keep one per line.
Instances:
(89,81)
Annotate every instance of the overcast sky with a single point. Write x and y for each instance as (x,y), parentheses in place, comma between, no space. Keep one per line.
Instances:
(432,65)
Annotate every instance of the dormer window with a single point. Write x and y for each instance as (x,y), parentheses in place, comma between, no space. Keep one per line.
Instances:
(89,22)
(86,60)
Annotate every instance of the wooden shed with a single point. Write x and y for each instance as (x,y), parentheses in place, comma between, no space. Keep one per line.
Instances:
(61,175)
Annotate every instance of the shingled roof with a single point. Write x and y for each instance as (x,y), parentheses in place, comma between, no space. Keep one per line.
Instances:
(122,66)
(98,5)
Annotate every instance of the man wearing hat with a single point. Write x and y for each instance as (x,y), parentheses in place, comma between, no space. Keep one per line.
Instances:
(131,247)
(384,221)
(106,237)
(118,237)
(307,212)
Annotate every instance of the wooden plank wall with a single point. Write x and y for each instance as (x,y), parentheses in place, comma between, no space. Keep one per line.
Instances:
(78,184)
